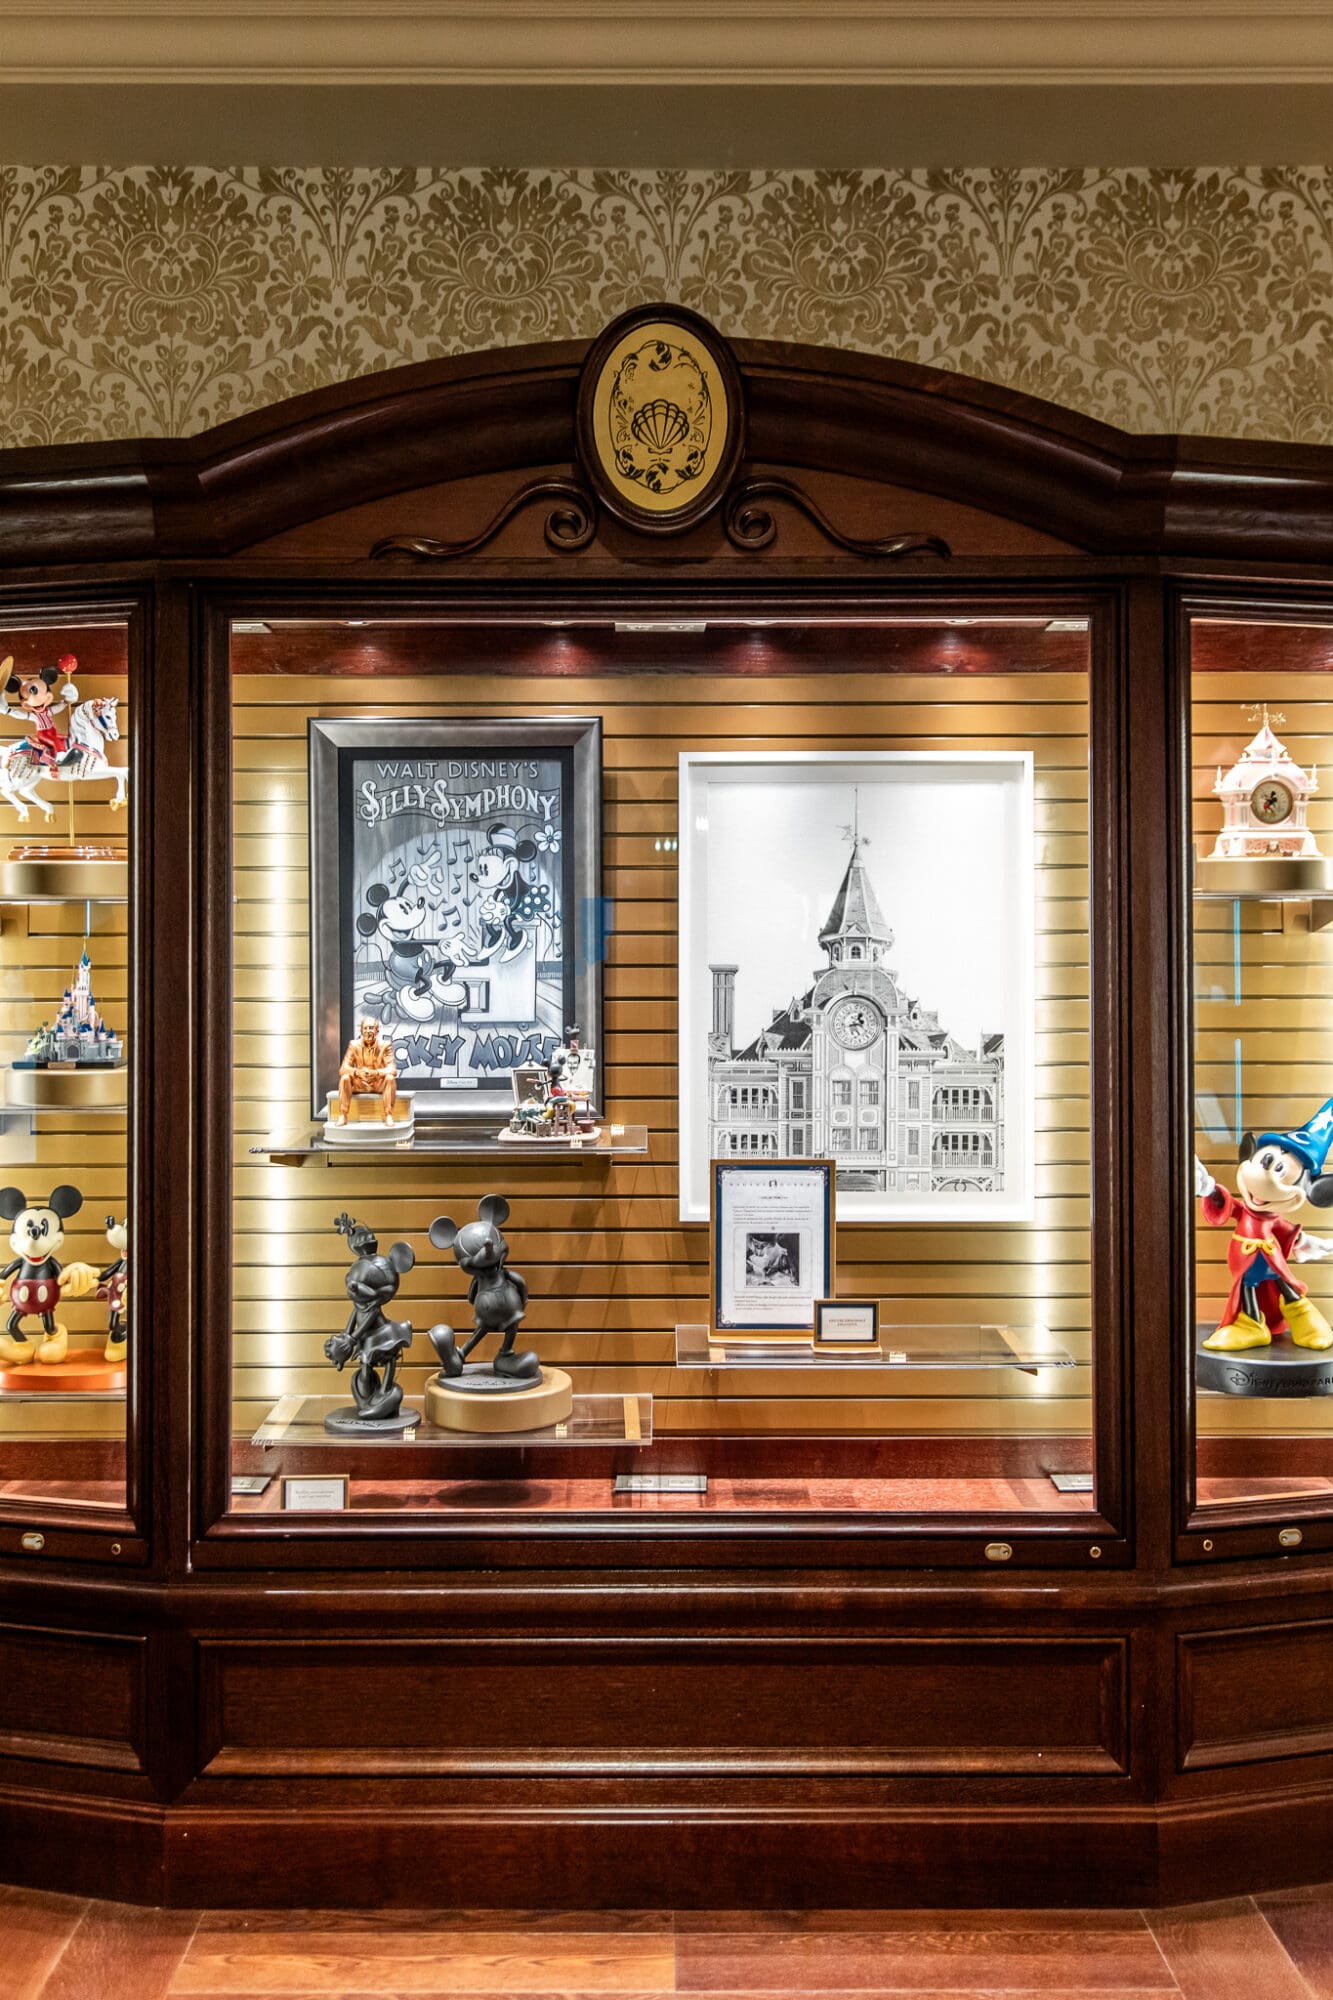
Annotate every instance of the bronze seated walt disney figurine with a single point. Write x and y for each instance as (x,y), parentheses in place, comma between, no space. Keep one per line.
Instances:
(368,1069)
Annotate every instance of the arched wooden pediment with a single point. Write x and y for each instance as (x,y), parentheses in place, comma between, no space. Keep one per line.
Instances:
(506,421)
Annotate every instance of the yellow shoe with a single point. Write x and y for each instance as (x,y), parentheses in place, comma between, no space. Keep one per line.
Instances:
(115,1349)
(1243,1331)
(15,1351)
(1308,1326)
(55,1347)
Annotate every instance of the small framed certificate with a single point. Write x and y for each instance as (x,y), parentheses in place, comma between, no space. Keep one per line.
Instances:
(322,1494)
(847,1323)
(770,1246)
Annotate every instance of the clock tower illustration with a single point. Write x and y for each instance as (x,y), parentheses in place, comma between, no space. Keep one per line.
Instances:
(858,1070)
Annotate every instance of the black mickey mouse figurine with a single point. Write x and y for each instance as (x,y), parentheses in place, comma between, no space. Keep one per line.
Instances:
(497,1295)
(376,1342)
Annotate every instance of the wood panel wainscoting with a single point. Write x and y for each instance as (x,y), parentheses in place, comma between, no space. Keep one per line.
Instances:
(884,1660)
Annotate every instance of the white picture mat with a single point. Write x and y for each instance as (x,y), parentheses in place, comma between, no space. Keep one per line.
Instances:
(950,853)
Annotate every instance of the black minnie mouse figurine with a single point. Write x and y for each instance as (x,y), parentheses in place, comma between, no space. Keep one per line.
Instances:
(497,1295)
(375,1342)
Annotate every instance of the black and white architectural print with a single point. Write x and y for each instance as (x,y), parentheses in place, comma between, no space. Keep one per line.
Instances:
(856,939)
(454,898)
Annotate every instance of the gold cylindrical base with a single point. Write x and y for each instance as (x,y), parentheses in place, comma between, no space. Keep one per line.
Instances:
(547,1402)
(1275,878)
(69,1089)
(53,875)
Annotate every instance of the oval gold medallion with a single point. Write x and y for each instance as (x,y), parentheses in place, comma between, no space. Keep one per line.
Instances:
(660,418)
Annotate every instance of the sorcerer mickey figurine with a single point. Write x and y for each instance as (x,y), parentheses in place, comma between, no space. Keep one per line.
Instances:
(1278,1173)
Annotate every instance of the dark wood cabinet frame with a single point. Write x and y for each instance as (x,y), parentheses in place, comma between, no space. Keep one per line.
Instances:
(594,1710)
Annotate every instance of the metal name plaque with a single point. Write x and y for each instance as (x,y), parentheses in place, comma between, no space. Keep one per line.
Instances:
(661,1482)
(1071,1482)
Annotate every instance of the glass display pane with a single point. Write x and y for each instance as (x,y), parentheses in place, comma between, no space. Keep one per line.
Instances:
(565,914)
(1262,709)
(65,1064)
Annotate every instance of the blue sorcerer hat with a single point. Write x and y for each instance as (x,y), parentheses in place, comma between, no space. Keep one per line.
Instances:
(1310,1142)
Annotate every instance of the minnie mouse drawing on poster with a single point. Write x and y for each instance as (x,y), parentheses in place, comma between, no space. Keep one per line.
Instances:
(510,906)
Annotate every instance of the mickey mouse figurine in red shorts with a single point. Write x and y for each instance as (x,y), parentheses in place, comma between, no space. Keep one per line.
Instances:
(38,1281)
(1278,1173)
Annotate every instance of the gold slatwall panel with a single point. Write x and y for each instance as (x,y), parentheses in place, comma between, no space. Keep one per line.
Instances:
(1278,1006)
(39,954)
(611,1269)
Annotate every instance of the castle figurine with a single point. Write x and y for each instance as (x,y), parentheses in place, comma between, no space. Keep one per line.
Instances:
(79,1038)
(1264,796)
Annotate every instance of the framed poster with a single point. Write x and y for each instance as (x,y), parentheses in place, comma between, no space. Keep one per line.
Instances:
(455,870)
(856,976)
(770,1245)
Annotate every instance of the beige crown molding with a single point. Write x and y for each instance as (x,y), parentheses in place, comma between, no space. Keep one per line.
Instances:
(749,42)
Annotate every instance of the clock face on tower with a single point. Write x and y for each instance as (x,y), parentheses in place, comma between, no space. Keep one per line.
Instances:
(854,1024)
(1271,802)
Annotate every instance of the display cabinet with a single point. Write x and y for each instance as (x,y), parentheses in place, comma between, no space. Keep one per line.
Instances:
(1263,1367)
(67,1354)
(674,957)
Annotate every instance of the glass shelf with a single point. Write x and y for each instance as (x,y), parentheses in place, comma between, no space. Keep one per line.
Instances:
(594,1420)
(439,1144)
(900,1347)
(58,1399)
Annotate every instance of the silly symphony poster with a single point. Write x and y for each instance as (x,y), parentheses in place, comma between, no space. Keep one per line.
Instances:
(454,911)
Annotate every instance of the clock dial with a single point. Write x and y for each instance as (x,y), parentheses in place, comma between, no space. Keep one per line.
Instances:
(1271,802)
(854,1024)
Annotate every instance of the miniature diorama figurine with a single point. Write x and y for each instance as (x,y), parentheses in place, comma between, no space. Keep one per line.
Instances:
(369,1338)
(38,1281)
(112,1285)
(367,1106)
(556,1102)
(512,1392)
(1278,1173)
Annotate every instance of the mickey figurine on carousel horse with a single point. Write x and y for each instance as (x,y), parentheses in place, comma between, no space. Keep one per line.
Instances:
(36,702)
(1278,1173)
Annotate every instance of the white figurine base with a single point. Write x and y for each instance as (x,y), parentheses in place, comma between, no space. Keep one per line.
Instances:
(552,1139)
(366,1125)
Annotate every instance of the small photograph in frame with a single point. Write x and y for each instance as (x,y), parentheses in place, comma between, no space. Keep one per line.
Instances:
(850,1323)
(771,1250)
(531,1082)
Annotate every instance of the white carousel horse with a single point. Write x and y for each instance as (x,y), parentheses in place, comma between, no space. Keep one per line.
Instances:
(92,725)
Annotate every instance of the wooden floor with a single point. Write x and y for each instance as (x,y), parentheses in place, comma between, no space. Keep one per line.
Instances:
(1276,1947)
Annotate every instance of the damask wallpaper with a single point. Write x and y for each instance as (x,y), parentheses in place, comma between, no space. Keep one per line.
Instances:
(157,302)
